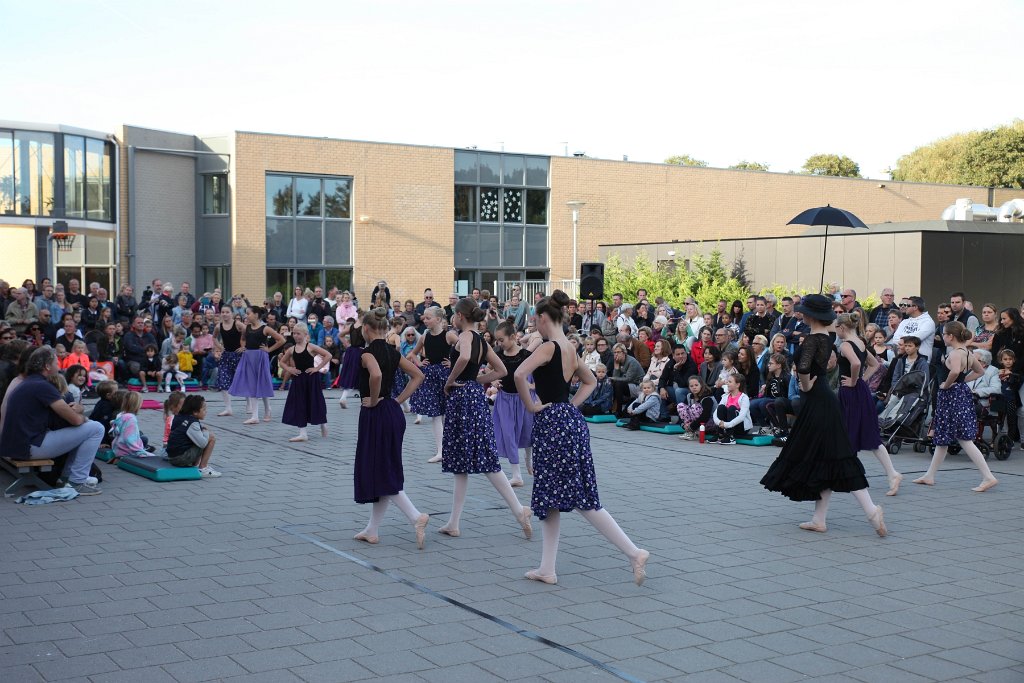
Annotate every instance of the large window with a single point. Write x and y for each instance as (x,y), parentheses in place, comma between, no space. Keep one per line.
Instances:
(501,211)
(88,164)
(309,232)
(215,195)
(90,260)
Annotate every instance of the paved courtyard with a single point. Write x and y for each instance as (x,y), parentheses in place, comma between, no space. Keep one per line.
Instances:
(255,576)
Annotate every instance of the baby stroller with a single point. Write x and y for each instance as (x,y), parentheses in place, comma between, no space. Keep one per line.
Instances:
(993,417)
(904,420)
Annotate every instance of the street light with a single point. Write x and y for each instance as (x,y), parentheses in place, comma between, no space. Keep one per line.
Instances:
(575,205)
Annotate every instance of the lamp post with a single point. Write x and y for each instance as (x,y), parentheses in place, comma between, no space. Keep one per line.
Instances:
(575,205)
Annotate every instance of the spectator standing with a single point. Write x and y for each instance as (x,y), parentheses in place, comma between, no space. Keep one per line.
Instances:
(917,324)
(880,314)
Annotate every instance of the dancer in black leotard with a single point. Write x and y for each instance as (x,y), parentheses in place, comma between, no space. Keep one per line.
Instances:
(305,404)
(563,467)
(434,345)
(228,337)
(252,377)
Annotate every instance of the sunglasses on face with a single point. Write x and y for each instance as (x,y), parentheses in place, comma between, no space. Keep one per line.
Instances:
(904,305)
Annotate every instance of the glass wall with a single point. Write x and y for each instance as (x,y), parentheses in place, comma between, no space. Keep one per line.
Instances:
(309,232)
(501,214)
(32,182)
(90,260)
(215,195)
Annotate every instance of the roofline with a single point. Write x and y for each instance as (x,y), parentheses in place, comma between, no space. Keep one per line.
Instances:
(55,128)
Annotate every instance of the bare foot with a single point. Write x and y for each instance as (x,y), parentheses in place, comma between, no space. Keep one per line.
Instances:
(925,481)
(894,485)
(813,526)
(985,485)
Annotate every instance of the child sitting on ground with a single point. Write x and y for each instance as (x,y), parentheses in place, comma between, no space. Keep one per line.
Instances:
(190,444)
(79,356)
(104,411)
(733,414)
(699,409)
(600,400)
(171,371)
(171,408)
(76,377)
(125,429)
(646,407)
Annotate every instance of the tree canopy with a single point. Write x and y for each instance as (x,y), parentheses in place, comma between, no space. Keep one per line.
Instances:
(750,166)
(685,160)
(832,164)
(990,158)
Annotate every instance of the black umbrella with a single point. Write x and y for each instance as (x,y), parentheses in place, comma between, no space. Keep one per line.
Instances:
(827,215)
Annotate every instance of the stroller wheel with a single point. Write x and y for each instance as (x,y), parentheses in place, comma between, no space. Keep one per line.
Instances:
(984,448)
(954,448)
(894,446)
(1003,447)
(920,448)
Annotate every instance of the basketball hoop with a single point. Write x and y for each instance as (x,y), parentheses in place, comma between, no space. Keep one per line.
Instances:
(64,240)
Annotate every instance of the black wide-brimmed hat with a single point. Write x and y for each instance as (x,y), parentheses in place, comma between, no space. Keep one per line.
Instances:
(817,306)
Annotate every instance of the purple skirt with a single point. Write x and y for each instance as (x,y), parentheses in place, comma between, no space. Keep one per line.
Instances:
(861,417)
(513,426)
(305,404)
(252,376)
(563,465)
(348,377)
(226,369)
(467,445)
(378,465)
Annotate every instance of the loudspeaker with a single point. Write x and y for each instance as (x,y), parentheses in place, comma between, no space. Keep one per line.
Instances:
(591,281)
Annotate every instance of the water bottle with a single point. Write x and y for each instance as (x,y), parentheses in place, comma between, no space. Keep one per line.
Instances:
(701,436)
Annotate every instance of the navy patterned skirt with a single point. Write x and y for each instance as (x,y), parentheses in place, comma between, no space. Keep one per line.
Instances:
(378,466)
(348,376)
(400,381)
(226,367)
(563,466)
(955,416)
(429,399)
(467,446)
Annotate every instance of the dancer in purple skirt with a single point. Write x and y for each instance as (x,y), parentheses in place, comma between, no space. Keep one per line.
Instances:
(856,400)
(434,346)
(305,404)
(955,417)
(563,466)
(469,446)
(349,373)
(252,378)
(228,338)
(513,423)
(378,475)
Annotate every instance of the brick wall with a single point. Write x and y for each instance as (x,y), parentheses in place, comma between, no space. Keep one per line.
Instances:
(406,191)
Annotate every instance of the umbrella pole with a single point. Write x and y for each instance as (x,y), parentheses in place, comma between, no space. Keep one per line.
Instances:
(824,253)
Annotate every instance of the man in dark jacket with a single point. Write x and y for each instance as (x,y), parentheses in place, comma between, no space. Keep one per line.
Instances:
(673,386)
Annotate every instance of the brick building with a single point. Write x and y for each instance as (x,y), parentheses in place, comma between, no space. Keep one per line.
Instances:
(254,212)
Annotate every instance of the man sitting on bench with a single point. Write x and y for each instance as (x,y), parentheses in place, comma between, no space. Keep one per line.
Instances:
(26,435)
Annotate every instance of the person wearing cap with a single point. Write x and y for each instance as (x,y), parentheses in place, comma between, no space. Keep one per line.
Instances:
(817,458)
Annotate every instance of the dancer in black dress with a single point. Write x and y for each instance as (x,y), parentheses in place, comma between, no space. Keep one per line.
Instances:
(434,345)
(468,442)
(305,404)
(817,458)
(378,474)
(563,466)
(856,400)
(956,419)
(228,337)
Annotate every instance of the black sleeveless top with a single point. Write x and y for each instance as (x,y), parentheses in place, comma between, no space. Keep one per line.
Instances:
(254,337)
(435,347)
(230,339)
(355,336)
(387,357)
(303,360)
(549,380)
(967,367)
(844,364)
(477,353)
(512,363)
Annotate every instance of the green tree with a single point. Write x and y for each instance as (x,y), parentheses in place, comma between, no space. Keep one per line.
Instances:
(832,164)
(685,160)
(707,280)
(739,270)
(750,166)
(989,158)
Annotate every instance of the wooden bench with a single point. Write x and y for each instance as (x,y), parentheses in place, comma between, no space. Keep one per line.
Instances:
(26,473)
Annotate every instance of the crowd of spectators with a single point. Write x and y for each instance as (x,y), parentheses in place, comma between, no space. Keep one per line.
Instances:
(654,362)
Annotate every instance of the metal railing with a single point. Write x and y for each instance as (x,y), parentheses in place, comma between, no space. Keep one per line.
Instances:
(503,289)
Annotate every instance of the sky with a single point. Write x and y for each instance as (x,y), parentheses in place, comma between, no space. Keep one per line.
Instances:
(764,81)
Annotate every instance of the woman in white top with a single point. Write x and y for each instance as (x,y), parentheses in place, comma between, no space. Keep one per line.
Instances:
(298,305)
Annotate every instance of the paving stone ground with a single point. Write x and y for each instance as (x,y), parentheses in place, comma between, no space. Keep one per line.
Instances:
(255,576)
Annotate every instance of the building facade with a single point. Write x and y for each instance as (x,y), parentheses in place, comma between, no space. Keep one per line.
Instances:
(255,213)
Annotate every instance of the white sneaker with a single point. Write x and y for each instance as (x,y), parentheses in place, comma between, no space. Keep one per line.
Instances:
(208,472)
